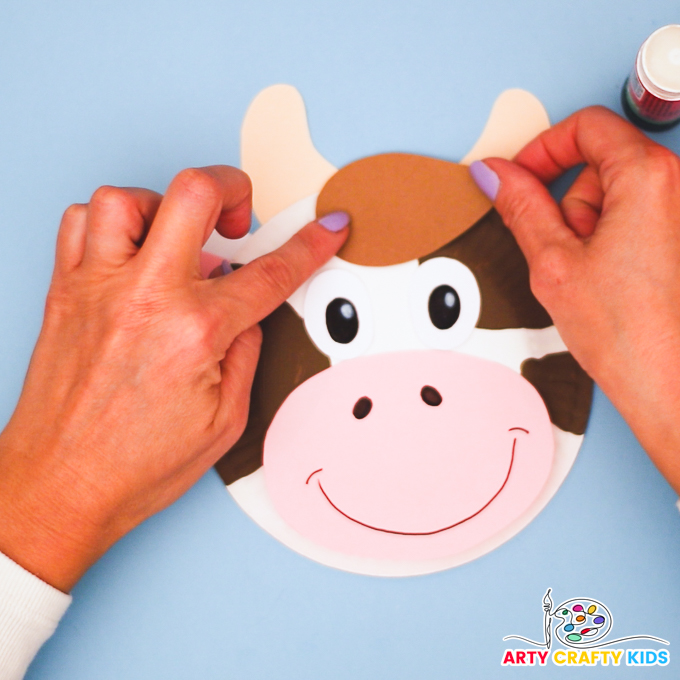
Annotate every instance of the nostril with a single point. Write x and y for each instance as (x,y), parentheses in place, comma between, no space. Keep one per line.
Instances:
(362,408)
(430,396)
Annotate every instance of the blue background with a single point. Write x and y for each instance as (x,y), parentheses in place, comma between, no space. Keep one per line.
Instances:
(128,93)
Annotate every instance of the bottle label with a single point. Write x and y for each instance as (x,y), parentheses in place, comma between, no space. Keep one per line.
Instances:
(647,105)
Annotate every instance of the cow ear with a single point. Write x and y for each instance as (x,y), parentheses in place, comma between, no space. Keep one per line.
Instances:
(516,117)
(277,152)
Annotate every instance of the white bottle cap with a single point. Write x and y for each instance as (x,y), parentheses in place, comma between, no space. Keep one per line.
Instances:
(659,62)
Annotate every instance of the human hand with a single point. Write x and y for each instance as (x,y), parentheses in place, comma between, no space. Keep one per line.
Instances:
(605,262)
(141,376)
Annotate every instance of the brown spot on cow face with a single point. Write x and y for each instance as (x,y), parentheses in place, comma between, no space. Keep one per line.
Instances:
(287,359)
(490,251)
(402,206)
(564,386)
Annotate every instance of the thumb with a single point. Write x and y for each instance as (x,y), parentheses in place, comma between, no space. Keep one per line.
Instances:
(526,207)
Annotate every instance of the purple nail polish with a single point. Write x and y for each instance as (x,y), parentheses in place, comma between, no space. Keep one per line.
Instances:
(486,179)
(334,221)
(226,267)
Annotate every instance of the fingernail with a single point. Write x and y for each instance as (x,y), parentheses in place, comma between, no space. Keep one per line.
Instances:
(486,179)
(334,221)
(226,267)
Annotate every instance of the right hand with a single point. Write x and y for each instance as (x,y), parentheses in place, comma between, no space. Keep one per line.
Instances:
(605,263)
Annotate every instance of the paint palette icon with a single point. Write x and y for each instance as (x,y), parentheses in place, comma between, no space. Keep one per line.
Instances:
(582,622)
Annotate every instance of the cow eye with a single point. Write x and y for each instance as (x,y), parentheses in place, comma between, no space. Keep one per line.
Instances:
(342,320)
(445,302)
(443,306)
(337,314)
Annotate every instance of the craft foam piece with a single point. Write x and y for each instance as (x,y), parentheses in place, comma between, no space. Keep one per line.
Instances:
(516,118)
(386,315)
(251,495)
(277,152)
(443,271)
(393,485)
(338,284)
(408,206)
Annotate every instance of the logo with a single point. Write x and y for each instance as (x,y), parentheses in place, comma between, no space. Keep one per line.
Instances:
(582,625)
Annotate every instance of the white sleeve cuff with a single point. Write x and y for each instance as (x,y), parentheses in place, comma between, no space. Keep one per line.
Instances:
(30,610)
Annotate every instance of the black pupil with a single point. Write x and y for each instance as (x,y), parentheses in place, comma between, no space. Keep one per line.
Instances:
(444,307)
(342,320)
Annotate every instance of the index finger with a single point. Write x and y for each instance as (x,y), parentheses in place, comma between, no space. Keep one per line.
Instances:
(595,136)
(255,290)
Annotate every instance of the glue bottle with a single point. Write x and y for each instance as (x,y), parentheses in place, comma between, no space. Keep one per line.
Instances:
(651,94)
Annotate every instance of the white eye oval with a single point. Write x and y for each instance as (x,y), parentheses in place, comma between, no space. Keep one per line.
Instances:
(337,314)
(445,302)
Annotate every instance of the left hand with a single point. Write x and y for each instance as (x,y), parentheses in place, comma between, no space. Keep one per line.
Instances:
(141,376)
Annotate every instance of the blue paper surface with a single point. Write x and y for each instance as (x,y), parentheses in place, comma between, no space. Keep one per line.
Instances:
(129,93)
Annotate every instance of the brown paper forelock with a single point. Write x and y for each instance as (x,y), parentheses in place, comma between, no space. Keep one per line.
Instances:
(402,206)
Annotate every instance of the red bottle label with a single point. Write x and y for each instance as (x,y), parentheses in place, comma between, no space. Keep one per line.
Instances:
(647,105)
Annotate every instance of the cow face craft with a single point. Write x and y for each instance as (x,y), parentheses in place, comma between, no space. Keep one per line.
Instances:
(414,406)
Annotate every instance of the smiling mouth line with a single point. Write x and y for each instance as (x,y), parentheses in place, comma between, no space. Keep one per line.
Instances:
(424,533)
